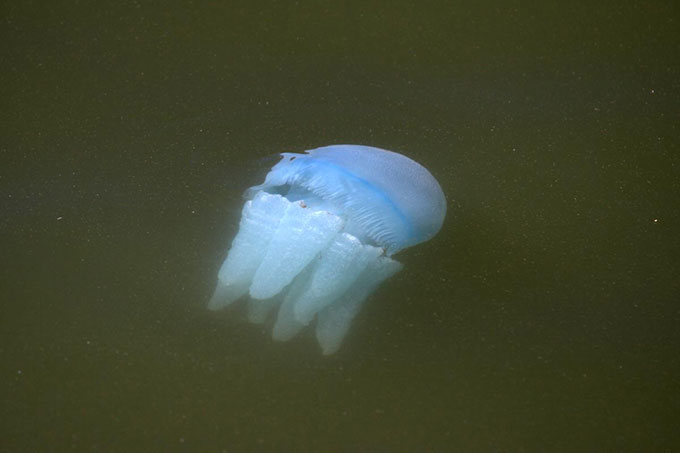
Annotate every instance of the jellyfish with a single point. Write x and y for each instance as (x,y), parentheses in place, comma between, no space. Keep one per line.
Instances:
(317,237)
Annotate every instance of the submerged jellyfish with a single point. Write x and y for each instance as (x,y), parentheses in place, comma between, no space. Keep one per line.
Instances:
(316,238)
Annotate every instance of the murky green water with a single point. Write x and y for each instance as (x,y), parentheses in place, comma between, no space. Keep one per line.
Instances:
(543,317)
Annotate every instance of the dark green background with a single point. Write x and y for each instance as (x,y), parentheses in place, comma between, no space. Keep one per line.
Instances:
(545,315)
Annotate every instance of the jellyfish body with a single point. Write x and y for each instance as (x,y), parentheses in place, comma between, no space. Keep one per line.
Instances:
(316,238)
